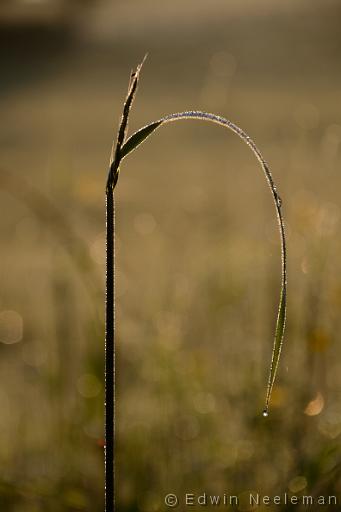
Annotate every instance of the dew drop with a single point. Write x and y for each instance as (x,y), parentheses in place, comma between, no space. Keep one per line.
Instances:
(265,413)
(279,201)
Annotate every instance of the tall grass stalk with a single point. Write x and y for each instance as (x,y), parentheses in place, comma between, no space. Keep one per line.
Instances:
(115,160)
(120,150)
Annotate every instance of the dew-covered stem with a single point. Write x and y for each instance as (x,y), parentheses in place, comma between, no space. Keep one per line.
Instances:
(110,384)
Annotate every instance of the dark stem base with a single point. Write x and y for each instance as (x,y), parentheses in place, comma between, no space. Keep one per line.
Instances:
(110,354)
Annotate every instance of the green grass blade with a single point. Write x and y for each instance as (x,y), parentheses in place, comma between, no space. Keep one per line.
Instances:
(141,135)
(277,347)
(137,138)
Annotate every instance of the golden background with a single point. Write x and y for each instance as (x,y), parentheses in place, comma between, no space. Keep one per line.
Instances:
(198,257)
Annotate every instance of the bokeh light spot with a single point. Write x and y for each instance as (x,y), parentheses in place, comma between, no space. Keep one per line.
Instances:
(204,403)
(297,484)
(11,327)
(97,249)
(88,385)
(315,406)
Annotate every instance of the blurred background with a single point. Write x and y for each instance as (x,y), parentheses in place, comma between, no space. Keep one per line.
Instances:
(198,256)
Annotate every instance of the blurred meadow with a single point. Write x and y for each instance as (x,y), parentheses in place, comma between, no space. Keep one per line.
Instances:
(198,257)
